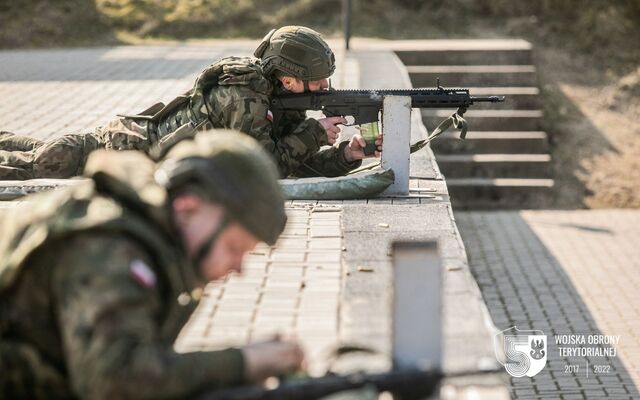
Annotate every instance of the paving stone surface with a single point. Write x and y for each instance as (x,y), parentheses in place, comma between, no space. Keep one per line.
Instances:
(291,289)
(305,285)
(565,273)
(51,92)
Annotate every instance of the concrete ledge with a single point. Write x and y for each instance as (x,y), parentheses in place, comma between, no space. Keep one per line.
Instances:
(450,44)
(492,142)
(470,69)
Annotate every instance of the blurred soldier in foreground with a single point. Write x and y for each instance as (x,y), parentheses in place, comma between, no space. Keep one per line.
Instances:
(96,280)
(235,93)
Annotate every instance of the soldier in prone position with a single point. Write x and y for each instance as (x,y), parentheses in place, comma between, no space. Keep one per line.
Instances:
(233,93)
(97,316)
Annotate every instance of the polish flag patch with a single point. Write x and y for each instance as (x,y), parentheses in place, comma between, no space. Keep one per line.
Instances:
(143,274)
(269,115)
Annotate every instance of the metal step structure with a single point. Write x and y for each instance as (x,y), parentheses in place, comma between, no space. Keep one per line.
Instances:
(505,160)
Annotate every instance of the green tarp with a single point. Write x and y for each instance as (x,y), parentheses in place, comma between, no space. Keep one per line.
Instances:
(361,185)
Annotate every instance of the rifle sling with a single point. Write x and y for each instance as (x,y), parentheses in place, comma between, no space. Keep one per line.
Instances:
(454,119)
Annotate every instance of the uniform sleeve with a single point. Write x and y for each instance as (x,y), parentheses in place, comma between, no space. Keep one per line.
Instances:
(110,329)
(328,162)
(240,108)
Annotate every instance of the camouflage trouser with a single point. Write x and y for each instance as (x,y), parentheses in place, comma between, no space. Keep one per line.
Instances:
(23,158)
(25,375)
(12,142)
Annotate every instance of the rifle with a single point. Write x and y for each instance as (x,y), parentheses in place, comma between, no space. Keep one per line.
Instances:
(408,384)
(364,105)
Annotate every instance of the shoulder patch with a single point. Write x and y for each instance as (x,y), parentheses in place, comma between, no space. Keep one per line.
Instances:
(143,274)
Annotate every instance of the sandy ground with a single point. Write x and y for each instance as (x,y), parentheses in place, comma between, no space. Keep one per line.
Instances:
(593,118)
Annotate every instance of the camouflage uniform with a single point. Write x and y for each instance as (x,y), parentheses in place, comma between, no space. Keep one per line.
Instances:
(22,157)
(232,93)
(98,319)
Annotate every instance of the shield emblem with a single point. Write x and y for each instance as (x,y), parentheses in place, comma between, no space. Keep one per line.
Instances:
(522,353)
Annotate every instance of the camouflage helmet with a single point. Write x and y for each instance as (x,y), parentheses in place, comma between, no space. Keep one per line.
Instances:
(232,169)
(297,51)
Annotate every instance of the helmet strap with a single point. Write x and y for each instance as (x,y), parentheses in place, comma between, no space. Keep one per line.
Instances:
(202,252)
(306,86)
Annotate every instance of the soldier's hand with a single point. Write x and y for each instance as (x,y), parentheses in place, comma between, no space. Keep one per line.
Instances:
(266,359)
(329,125)
(355,149)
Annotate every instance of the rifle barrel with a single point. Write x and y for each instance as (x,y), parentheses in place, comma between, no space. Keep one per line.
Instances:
(491,99)
(412,384)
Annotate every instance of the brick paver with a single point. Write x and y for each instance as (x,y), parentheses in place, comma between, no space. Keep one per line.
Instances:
(47,93)
(292,289)
(563,272)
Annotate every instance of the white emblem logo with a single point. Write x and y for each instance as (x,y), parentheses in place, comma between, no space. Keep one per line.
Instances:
(523,353)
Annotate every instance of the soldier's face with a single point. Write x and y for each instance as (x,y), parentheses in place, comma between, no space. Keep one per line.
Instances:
(316,86)
(197,220)
(297,86)
(227,253)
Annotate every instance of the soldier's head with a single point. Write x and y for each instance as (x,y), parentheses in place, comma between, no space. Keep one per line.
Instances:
(297,57)
(225,198)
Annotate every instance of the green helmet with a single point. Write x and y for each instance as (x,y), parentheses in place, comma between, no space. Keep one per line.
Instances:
(297,51)
(232,169)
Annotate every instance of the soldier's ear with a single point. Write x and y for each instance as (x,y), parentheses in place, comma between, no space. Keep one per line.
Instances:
(286,80)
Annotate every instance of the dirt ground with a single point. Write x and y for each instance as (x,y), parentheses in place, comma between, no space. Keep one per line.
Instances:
(593,118)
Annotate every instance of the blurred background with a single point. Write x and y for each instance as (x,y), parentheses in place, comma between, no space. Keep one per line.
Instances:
(586,52)
(606,26)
